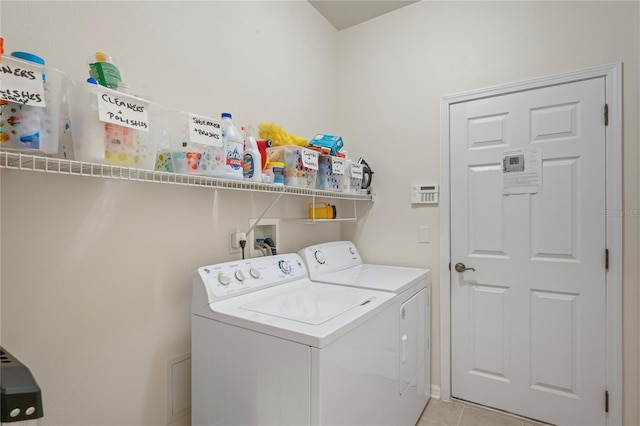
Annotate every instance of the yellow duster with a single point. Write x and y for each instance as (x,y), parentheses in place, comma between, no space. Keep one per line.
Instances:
(279,136)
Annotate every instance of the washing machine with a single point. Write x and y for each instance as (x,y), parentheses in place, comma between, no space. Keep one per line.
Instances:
(269,346)
(339,263)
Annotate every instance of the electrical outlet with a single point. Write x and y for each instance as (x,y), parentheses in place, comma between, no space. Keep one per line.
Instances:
(236,237)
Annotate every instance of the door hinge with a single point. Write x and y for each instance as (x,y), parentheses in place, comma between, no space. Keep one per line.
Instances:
(606,401)
(606,259)
(449,266)
(606,114)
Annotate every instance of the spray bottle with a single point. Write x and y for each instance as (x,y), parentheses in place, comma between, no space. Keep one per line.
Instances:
(117,138)
(104,71)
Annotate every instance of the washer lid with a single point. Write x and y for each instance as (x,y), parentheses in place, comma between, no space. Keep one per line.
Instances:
(395,279)
(315,305)
(314,314)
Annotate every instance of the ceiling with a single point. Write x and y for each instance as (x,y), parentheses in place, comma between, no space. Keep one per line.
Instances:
(347,13)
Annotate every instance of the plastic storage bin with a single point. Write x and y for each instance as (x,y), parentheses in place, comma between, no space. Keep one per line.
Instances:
(184,161)
(36,129)
(176,152)
(99,142)
(213,161)
(330,175)
(352,179)
(191,154)
(300,164)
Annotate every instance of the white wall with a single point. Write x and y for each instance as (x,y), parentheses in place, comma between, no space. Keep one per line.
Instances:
(96,274)
(393,72)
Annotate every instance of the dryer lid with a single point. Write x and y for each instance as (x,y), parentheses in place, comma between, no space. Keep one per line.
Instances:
(395,279)
(314,305)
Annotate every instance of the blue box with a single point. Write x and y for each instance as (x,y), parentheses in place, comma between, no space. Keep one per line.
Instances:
(332,142)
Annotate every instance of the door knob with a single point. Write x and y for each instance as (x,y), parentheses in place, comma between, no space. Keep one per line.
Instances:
(461,268)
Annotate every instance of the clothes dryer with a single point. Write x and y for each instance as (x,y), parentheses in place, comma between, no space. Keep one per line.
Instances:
(339,263)
(269,346)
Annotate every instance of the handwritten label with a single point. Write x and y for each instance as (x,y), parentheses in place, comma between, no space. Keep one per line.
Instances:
(21,82)
(123,110)
(337,165)
(356,171)
(205,131)
(310,159)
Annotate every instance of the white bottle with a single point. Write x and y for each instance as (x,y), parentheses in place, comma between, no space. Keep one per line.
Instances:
(234,148)
(252,161)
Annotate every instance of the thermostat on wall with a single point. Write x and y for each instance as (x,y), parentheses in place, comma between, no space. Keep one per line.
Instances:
(424,194)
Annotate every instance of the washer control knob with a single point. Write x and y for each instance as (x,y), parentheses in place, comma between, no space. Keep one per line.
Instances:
(240,276)
(320,257)
(254,273)
(352,250)
(284,266)
(223,279)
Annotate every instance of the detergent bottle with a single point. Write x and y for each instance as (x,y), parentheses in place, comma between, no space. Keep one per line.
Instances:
(104,71)
(234,148)
(252,161)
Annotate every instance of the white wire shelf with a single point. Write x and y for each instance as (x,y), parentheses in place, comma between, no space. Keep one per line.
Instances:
(28,162)
(312,221)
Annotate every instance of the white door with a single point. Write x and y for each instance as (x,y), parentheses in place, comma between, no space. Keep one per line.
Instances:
(528,325)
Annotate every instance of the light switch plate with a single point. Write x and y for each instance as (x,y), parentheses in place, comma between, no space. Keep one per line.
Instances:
(424,234)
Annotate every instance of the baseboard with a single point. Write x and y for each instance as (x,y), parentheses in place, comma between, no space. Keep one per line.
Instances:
(435,391)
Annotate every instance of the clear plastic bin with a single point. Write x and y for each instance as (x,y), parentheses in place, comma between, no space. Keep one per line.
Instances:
(99,142)
(300,164)
(36,129)
(328,178)
(352,181)
(179,161)
(213,161)
(176,153)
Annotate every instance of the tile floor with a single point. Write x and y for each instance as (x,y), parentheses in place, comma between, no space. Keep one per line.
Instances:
(456,413)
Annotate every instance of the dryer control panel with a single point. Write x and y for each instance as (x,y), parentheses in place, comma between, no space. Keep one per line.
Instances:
(231,279)
(322,259)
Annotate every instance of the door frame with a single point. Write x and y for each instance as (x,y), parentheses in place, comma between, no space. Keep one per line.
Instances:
(612,74)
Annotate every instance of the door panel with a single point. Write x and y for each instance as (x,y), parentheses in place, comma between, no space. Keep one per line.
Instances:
(528,325)
(487,131)
(489,329)
(554,342)
(554,122)
(486,226)
(554,218)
